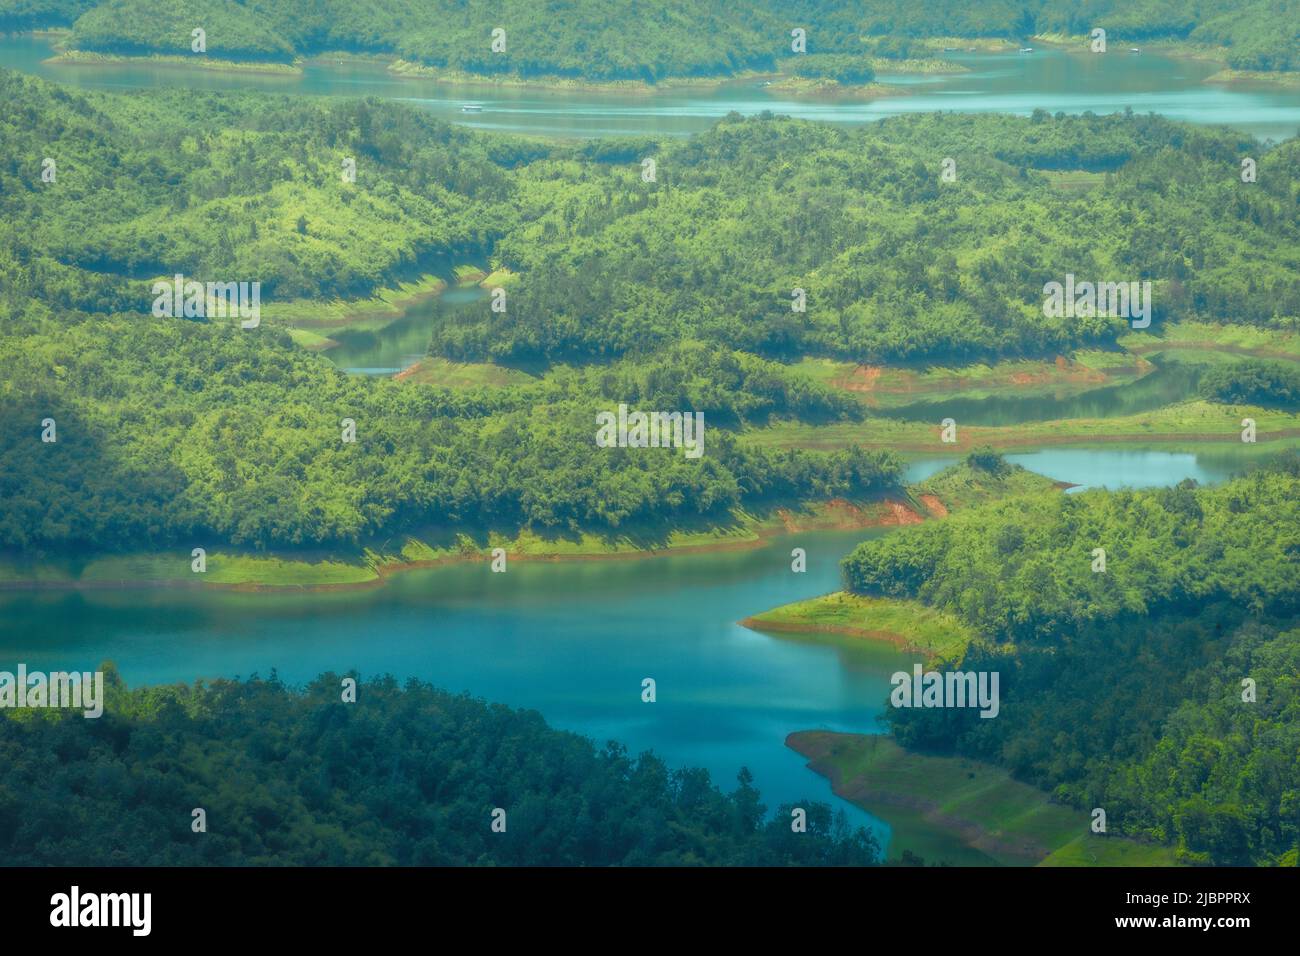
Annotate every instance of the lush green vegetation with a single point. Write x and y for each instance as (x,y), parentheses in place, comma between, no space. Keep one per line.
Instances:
(1123,689)
(1259,36)
(1023,569)
(840,67)
(586,38)
(1254,382)
(404,776)
(171,429)
(241,187)
(1145,719)
(622,41)
(908,624)
(896,265)
(984,475)
(1191,423)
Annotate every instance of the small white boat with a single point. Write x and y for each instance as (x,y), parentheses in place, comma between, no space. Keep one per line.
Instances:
(471,108)
(1134,49)
(1026,49)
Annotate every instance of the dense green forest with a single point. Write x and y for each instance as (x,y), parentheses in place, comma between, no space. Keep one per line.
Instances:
(174,428)
(1023,569)
(773,275)
(1253,382)
(1123,689)
(621,40)
(895,264)
(171,429)
(406,775)
(150,185)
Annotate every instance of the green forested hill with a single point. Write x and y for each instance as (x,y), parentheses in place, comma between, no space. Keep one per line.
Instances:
(169,429)
(403,776)
(249,187)
(619,39)
(896,264)
(173,428)
(1023,569)
(1124,689)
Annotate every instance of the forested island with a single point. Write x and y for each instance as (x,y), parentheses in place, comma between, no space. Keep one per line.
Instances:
(684,40)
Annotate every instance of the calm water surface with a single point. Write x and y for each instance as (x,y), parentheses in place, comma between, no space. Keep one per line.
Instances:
(573,640)
(1001,83)
(400,344)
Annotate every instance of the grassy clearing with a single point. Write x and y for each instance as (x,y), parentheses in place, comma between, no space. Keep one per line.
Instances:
(1086,369)
(907,624)
(890,387)
(311,340)
(960,486)
(1073,180)
(954,809)
(440,371)
(1283,78)
(375,312)
(224,569)
(1186,422)
(499,277)
(1093,849)
(468,274)
(1204,336)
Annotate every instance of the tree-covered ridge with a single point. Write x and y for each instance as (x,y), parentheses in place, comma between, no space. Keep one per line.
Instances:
(621,40)
(1125,688)
(1259,36)
(405,775)
(170,429)
(592,39)
(232,29)
(1253,382)
(895,263)
(1145,719)
(1024,569)
(238,187)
